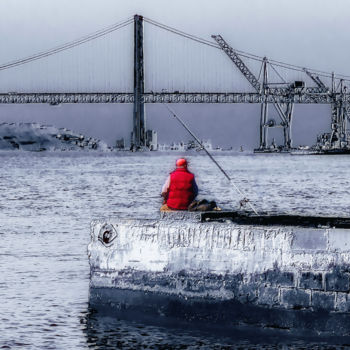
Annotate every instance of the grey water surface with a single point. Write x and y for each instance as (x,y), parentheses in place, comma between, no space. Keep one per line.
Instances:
(49,199)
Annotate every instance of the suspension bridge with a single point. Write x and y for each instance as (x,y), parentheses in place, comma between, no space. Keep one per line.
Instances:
(171,66)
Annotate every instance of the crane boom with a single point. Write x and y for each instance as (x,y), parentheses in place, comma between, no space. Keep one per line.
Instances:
(317,81)
(284,111)
(231,53)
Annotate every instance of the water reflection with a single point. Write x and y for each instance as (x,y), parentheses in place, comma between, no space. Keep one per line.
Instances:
(125,322)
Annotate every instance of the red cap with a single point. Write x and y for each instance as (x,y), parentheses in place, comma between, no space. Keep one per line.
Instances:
(182,162)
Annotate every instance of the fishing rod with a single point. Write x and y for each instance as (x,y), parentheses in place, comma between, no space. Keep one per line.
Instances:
(245,199)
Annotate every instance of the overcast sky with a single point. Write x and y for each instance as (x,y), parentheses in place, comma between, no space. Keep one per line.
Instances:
(308,33)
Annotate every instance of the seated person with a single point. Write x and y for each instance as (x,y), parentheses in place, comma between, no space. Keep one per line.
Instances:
(180,188)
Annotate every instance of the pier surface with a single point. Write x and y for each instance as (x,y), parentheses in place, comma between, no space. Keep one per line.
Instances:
(291,271)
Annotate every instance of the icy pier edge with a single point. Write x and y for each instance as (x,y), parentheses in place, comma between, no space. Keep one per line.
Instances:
(285,267)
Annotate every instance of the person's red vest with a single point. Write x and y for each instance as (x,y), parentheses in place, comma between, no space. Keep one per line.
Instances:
(180,193)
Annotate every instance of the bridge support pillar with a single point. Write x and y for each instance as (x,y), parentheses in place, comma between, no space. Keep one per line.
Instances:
(138,137)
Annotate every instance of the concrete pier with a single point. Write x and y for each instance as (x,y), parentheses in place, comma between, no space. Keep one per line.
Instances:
(284,270)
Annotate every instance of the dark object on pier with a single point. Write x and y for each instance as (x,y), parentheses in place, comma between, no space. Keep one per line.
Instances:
(202,205)
(244,218)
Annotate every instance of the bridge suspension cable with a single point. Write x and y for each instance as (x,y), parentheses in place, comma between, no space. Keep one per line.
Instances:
(130,20)
(181,33)
(245,54)
(67,46)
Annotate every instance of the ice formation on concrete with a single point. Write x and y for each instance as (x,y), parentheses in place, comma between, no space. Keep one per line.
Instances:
(36,137)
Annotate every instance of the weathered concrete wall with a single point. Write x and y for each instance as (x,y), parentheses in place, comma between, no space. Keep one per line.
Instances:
(274,267)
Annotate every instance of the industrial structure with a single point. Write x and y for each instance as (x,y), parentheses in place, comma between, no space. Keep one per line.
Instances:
(338,140)
(281,96)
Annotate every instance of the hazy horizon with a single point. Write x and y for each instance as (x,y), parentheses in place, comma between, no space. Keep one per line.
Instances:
(309,34)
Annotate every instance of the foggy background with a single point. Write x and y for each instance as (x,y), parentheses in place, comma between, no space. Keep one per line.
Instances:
(310,34)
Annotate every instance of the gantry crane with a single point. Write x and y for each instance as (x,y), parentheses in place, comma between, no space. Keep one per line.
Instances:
(339,137)
(284,110)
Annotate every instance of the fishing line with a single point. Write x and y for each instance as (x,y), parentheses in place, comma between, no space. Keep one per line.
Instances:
(244,198)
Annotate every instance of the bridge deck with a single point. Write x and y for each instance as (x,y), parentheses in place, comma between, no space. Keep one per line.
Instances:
(156,97)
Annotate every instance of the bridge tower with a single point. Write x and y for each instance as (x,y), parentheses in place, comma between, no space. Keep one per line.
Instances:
(138,135)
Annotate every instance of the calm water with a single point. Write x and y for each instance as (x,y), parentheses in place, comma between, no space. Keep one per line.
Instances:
(48,201)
